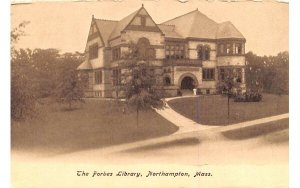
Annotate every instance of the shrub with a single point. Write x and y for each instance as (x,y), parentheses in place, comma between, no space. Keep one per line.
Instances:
(199,92)
(248,97)
(23,101)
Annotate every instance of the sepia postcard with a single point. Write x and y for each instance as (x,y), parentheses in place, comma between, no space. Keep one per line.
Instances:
(142,93)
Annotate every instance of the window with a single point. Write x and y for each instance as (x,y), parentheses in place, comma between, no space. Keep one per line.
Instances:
(203,52)
(116,53)
(98,77)
(228,49)
(167,81)
(206,53)
(98,93)
(175,51)
(93,51)
(238,48)
(208,74)
(144,49)
(117,77)
(199,52)
(221,48)
(222,74)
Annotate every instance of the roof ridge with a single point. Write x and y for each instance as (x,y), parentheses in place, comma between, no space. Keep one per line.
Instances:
(224,22)
(106,20)
(180,16)
(193,22)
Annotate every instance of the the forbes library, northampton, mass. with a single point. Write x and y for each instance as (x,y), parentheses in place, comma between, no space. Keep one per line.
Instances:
(189,51)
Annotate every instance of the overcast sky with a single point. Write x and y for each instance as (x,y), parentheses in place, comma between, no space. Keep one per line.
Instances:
(65,25)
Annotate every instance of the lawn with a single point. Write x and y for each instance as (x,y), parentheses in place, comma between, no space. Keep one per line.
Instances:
(274,132)
(96,124)
(212,109)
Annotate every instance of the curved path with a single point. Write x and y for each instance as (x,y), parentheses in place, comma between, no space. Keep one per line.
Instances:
(187,125)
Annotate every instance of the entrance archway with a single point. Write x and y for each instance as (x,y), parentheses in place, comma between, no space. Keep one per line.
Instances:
(187,83)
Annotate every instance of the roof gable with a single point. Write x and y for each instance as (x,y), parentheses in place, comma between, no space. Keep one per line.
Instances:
(93,34)
(138,20)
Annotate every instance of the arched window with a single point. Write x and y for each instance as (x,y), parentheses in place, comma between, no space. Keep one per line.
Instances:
(203,52)
(200,52)
(206,54)
(144,49)
(167,81)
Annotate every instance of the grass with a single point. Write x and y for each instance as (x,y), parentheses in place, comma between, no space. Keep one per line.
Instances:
(96,124)
(212,109)
(276,131)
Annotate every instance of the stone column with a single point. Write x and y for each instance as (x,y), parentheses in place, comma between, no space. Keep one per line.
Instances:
(243,76)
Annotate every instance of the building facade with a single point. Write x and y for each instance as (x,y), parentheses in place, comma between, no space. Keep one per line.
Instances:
(189,51)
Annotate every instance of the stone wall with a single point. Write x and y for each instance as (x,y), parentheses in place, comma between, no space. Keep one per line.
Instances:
(231,61)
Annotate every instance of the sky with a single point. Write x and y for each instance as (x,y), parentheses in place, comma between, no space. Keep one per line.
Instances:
(65,25)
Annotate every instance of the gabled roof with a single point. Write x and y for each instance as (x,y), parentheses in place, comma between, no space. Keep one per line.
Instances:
(121,25)
(194,24)
(105,28)
(169,31)
(228,30)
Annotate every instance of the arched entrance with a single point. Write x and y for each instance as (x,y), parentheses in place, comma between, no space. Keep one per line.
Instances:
(188,83)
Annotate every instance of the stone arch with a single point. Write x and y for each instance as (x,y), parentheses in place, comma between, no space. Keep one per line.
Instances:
(196,83)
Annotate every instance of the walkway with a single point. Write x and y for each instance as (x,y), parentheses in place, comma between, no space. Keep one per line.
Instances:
(187,125)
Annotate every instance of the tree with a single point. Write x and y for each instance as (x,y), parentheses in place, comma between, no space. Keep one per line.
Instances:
(228,87)
(141,84)
(70,89)
(23,99)
(268,73)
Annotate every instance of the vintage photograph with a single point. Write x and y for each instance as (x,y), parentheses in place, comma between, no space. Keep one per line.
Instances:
(137,93)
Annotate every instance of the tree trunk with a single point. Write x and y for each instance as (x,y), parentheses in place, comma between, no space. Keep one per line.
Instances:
(137,117)
(228,109)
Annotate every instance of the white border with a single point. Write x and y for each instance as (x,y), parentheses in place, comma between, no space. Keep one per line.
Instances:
(294,148)
(294,94)
(5,94)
